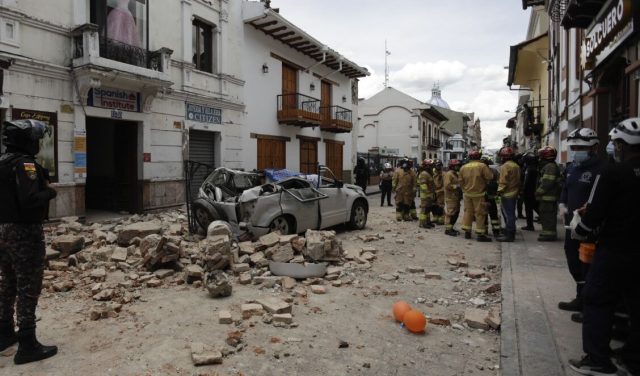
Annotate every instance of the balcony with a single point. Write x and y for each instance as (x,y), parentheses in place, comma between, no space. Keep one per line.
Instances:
(336,119)
(299,110)
(434,143)
(97,59)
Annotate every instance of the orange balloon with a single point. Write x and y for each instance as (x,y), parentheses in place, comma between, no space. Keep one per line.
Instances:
(415,321)
(399,309)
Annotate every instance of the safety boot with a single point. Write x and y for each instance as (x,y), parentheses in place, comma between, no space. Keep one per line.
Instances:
(467,234)
(506,237)
(483,238)
(451,232)
(574,305)
(7,334)
(30,350)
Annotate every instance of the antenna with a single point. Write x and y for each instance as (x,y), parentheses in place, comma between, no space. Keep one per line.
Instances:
(386,64)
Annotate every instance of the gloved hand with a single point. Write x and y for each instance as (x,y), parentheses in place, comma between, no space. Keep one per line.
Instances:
(562,211)
(574,224)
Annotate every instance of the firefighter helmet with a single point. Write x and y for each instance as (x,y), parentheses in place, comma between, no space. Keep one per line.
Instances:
(475,154)
(548,153)
(506,153)
(453,163)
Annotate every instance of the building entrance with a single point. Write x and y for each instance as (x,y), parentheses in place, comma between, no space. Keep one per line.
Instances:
(112,166)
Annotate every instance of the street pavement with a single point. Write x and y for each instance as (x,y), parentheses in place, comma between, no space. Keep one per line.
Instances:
(537,338)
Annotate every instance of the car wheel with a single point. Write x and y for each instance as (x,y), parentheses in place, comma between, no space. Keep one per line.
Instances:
(358,216)
(204,213)
(283,225)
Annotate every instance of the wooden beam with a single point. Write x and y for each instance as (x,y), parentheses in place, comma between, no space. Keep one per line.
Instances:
(283,35)
(273,31)
(294,45)
(269,137)
(309,48)
(288,41)
(263,25)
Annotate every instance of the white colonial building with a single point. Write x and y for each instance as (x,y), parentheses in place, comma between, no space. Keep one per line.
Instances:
(133,89)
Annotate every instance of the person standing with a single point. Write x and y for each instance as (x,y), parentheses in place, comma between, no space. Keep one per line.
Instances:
(508,189)
(529,185)
(438,179)
(386,182)
(581,175)
(611,216)
(474,177)
(413,211)
(362,174)
(427,193)
(452,196)
(547,193)
(492,199)
(403,185)
(25,193)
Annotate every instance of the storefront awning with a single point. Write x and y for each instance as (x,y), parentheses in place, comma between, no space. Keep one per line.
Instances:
(526,58)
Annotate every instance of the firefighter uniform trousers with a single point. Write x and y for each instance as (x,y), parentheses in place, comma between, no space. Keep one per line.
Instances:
(404,185)
(412,209)
(475,207)
(426,185)
(547,195)
(492,210)
(452,199)
(439,183)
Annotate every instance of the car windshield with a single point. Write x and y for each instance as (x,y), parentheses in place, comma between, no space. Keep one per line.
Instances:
(245,181)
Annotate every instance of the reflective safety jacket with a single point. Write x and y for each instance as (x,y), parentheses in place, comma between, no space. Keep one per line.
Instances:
(509,182)
(549,183)
(451,186)
(427,185)
(438,179)
(474,177)
(404,185)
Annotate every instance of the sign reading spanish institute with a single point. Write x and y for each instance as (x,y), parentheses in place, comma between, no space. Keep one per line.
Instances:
(115,99)
(203,114)
(612,26)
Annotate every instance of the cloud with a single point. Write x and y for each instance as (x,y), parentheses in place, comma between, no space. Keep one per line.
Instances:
(421,75)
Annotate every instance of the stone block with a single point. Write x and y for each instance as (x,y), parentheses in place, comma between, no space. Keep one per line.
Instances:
(274,305)
(251,309)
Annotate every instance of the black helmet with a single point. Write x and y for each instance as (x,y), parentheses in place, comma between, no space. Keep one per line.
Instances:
(24,135)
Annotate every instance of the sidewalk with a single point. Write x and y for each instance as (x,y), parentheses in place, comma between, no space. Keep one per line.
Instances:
(536,337)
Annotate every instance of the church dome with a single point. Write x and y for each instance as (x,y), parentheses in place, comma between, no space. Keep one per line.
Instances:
(436,97)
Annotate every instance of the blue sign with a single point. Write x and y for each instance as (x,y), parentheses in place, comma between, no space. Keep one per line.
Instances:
(203,114)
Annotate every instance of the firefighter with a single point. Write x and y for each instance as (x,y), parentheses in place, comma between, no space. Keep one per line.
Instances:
(612,215)
(452,197)
(427,193)
(25,194)
(529,184)
(508,189)
(439,182)
(492,198)
(413,212)
(548,192)
(403,185)
(474,177)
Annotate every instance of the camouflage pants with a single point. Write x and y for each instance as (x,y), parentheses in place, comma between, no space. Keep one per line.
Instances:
(22,257)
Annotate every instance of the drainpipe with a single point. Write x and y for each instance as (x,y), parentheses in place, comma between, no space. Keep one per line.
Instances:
(336,71)
(325,49)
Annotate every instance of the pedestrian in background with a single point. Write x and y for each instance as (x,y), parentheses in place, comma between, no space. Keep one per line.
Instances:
(474,177)
(361,171)
(580,177)
(508,188)
(612,215)
(386,183)
(25,194)
(492,199)
(438,179)
(548,193)
(529,185)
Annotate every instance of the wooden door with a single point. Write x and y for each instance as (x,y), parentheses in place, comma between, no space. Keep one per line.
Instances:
(289,88)
(308,156)
(334,157)
(325,101)
(271,154)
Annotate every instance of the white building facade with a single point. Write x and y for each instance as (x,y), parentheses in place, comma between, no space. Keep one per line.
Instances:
(133,89)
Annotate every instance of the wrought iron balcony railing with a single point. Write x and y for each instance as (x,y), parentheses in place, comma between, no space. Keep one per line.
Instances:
(336,119)
(298,109)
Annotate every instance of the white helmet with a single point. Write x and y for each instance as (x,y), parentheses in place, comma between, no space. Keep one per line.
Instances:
(628,131)
(387,165)
(583,137)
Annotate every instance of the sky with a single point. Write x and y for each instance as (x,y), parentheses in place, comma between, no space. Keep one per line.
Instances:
(463,44)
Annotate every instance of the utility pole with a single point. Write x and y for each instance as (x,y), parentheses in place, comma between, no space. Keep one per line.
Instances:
(386,64)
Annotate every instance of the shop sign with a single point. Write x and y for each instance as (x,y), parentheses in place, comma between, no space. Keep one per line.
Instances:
(115,99)
(80,153)
(613,25)
(203,114)
(48,156)
(390,151)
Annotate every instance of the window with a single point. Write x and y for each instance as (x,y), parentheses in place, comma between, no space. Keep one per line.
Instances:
(202,42)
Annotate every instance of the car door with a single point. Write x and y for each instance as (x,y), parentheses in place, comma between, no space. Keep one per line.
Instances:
(301,201)
(334,209)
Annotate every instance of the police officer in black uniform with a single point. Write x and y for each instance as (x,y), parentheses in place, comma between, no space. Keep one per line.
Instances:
(611,216)
(25,194)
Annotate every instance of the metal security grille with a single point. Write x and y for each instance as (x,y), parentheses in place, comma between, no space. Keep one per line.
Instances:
(201,150)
